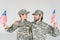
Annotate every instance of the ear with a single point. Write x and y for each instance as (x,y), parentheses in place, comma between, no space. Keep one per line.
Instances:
(41,17)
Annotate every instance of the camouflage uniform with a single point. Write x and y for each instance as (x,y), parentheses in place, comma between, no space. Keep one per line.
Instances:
(40,28)
(24,29)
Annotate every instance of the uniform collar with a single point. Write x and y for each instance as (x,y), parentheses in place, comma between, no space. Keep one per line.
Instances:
(38,22)
(23,20)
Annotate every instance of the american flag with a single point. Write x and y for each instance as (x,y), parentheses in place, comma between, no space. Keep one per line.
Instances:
(3,18)
(53,16)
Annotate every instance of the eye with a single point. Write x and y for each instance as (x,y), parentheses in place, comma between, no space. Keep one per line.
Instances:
(22,14)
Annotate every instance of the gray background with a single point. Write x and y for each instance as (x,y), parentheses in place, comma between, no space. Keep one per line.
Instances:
(13,6)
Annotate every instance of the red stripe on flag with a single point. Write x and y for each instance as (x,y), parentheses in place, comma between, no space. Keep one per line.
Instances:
(53,18)
(3,19)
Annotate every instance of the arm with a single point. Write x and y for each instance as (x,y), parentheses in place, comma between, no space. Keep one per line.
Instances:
(53,31)
(12,28)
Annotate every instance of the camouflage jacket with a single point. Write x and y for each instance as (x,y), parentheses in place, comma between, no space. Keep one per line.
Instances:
(24,30)
(40,29)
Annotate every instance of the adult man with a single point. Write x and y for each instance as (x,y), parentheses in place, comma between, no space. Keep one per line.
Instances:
(24,29)
(40,28)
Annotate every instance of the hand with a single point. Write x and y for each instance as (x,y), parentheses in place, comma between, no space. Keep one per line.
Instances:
(16,23)
(5,26)
(55,25)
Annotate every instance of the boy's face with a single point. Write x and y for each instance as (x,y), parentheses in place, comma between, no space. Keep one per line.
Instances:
(24,16)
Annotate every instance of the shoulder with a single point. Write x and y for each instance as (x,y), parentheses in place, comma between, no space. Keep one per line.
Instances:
(32,22)
(28,22)
(46,24)
(17,21)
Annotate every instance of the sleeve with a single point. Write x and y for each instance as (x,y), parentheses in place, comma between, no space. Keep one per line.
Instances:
(11,28)
(53,32)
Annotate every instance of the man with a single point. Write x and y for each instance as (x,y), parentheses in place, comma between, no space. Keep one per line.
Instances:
(40,28)
(24,28)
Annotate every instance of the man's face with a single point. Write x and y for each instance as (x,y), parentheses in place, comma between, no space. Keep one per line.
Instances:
(37,17)
(24,16)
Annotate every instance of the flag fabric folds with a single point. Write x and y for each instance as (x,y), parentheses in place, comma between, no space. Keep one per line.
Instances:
(53,16)
(3,18)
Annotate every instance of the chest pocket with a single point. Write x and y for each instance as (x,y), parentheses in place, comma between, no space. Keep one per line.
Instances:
(25,29)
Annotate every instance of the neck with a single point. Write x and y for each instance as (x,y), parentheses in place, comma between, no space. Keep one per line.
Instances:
(38,21)
(23,19)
